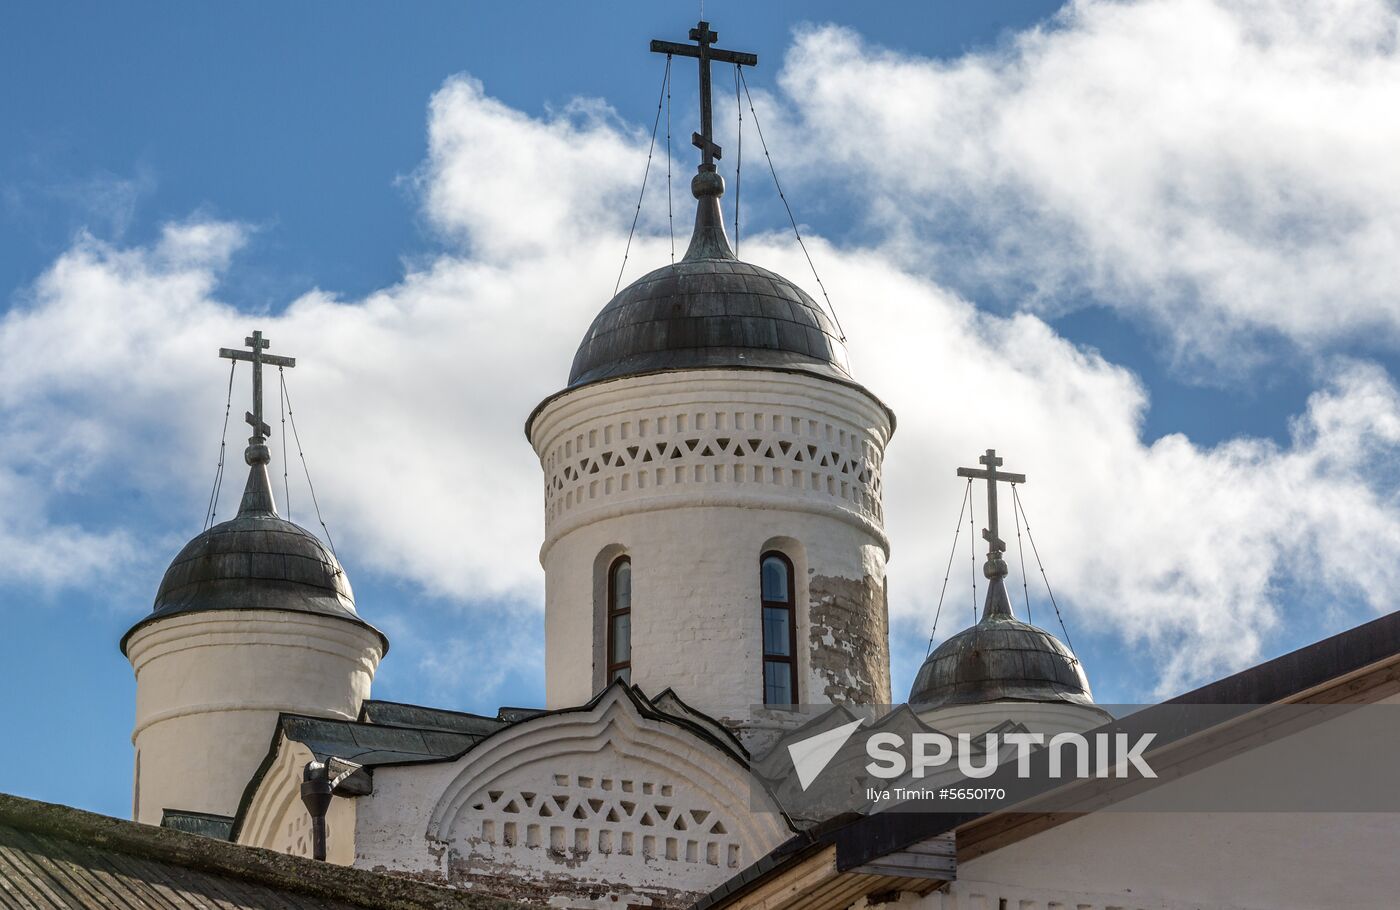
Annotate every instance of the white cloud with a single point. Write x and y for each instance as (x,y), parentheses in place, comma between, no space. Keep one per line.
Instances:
(512,186)
(1191,552)
(464,667)
(50,554)
(411,403)
(1226,169)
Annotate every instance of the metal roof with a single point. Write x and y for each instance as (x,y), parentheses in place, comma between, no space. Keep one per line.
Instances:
(373,744)
(375,711)
(255,561)
(56,857)
(709,313)
(206,824)
(1000,659)
(709,310)
(391,733)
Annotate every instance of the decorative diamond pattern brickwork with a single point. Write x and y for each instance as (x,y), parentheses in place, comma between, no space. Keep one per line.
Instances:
(779,452)
(580,815)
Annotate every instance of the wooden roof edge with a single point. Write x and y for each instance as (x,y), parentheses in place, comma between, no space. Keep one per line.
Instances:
(252,864)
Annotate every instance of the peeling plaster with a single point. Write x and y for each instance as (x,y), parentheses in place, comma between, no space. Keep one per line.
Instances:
(849,634)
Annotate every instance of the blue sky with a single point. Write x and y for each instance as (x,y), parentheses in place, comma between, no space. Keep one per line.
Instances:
(1145,249)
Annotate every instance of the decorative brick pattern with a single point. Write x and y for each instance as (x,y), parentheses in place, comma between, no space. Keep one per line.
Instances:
(581,815)
(781,451)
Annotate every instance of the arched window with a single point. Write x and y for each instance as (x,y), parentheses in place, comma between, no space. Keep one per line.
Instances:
(779,630)
(620,620)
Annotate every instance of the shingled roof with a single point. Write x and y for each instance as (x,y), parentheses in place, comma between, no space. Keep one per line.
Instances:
(57,857)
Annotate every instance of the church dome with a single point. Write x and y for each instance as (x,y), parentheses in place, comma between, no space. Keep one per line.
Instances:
(1000,659)
(713,312)
(255,561)
(709,310)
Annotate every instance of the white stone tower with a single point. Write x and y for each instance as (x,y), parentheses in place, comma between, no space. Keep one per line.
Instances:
(713,519)
(254,617)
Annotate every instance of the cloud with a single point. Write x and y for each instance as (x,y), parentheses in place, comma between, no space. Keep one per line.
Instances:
(52,554)
(511,186)
(1195,554)
(411,403)
(467,669)
(1226,170)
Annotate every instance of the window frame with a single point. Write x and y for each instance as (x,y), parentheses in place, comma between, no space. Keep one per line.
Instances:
(790,605)
(608,621)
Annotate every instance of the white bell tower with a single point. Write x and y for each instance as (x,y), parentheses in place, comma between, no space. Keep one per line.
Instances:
(712,486)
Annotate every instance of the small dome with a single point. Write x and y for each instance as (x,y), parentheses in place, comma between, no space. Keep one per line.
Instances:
(713,312)
(1000,659)
(255,561)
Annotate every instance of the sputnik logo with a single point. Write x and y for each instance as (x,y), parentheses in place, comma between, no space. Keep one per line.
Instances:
(811,755)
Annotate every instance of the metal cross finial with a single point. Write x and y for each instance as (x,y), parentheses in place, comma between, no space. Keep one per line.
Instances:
(996,566)
(257,358)
(704,52)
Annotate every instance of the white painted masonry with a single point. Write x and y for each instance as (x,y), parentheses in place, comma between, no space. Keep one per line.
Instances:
(602,799)
(694,474)
(209,687)
(1185,861)
(277,819)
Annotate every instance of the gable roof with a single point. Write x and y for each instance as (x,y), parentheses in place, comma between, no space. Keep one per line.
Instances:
(373,745)
(375,711)
(390,734)
(56,856)
(1354,666)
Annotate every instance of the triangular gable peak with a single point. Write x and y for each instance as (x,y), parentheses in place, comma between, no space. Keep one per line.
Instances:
(614,795)
(622,789)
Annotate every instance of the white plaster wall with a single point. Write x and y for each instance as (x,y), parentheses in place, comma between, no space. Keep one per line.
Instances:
(1167,860)
(209,687)
(602,802)
(696,621)
(277,818)
(1189,861)
(693,474)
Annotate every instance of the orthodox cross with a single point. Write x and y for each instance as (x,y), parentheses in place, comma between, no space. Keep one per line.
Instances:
(995,545)
(257,358)
(704,52)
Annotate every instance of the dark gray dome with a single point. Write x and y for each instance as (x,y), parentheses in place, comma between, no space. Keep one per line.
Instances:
(709,310)
(1000,659)
(255,561)
(713,312)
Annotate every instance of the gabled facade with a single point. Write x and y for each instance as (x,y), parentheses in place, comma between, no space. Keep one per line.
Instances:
(623,798)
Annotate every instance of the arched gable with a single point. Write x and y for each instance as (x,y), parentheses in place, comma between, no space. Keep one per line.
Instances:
(276,819)
(608,793)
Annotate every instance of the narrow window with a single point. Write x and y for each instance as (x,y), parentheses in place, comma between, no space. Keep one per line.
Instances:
(620,620)
(779,630)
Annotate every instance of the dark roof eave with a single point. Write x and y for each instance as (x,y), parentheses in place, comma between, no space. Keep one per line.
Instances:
(156,617)
(814,372)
